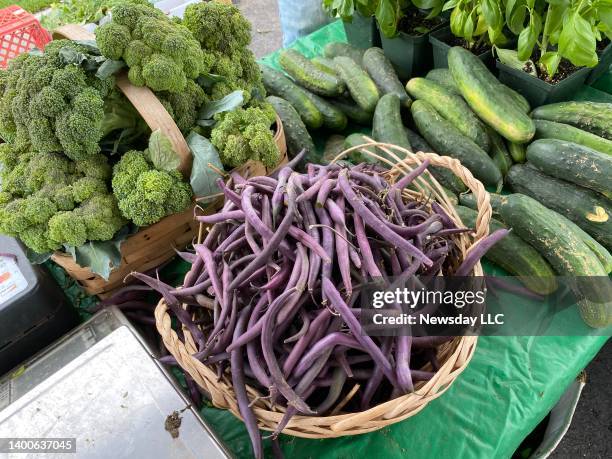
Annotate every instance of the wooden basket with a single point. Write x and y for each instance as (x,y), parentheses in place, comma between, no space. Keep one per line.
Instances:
(153,245)
(453,356)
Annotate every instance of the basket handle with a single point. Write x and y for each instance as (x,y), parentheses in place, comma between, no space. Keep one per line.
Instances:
(144,101)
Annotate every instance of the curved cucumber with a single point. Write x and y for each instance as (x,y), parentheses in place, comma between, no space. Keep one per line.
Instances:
(499,153)
(518,152)
(363,90)
(451,107)
(469,200)
(589,210)
(556,238)
(445,79)
(447,140)
(573,163)
(387,126)
(594,117)
(352,111)
(333,117)
(309,75)
(279,85)
(296,134)
(337,48)
(382,72)
(552,130)
(516,256)
(361,154)
(481,90)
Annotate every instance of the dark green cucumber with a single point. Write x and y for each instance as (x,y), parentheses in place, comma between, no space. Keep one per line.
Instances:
(363,90)
(557,239)
(308,75)
(387,126)
(586,208)
(552,130)
(594,117)
(499,153)
(444,78)
(333,117)
(451,107)
(418,143)
(515,256)
(279,85)
(484,94)
(469,200)
(359,155)
(447,140)
(574,163)
(382,72)
(352,111)
(337,48)
(517,98)
(518,152)
(296,134)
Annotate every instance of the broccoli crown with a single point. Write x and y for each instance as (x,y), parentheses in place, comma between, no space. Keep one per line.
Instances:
(52,106)
(160,53)
(245,134)
(184,106)
(147,195)
(49,201)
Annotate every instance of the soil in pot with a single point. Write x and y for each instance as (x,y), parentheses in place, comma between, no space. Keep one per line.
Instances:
(415,23)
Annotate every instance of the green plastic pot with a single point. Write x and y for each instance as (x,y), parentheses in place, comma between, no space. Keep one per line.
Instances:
(605,60)
(538,92)
(362,32)
(440,48)
(411,55)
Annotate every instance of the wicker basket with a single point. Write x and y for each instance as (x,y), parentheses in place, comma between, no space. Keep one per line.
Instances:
(155,244)
(453,356)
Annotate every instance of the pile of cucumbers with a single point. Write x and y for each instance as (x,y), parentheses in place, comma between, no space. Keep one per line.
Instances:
(557,159)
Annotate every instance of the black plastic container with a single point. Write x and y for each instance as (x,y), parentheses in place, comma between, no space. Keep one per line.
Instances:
(34,311)
(605,60)
(411,55)
(538,92)
(362,32)
(440,48)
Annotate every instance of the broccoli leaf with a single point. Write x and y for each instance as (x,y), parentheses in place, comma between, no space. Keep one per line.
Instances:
(161,153)
(206,166)
(227,104)
(208,80)
(90,45)
(109,67)
(100,256)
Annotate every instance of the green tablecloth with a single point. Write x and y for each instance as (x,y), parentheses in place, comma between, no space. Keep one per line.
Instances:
(507,389)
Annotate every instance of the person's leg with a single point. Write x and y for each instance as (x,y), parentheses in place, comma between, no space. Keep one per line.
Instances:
(300,17)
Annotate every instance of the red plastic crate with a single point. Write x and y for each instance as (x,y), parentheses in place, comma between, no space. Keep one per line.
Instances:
(20,31)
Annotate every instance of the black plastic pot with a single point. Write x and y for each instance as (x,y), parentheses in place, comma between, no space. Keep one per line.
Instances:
(538,92)
(410,54)
(438,39)
(362,32)
(605,60)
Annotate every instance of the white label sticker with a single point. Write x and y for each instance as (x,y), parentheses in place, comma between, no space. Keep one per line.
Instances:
(12,281)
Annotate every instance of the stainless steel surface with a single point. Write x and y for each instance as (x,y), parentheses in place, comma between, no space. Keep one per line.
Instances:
(101,386)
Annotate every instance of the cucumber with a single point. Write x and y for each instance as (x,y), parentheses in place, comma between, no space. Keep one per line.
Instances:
(309,75)
(499,153)
(333,117)
(382,72)
(363,90)
(445,79)
(486,96)
(335,49)
(574,163)
(586,208)
(447,140)
(279,85)
(518,152)
(418,143)
(557,239)
(451,107)
(296,134)
(552,130)
(594,117)
(333,147)
(352,111)
(387,126)
(517,98)
(360,155)
(469,200)
(516,256)
(326,65)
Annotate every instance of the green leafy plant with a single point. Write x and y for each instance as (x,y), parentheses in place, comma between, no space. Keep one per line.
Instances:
(477,21)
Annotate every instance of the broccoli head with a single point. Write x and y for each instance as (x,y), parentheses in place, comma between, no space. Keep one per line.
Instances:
(185,105)
(245,134)
(147,195)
